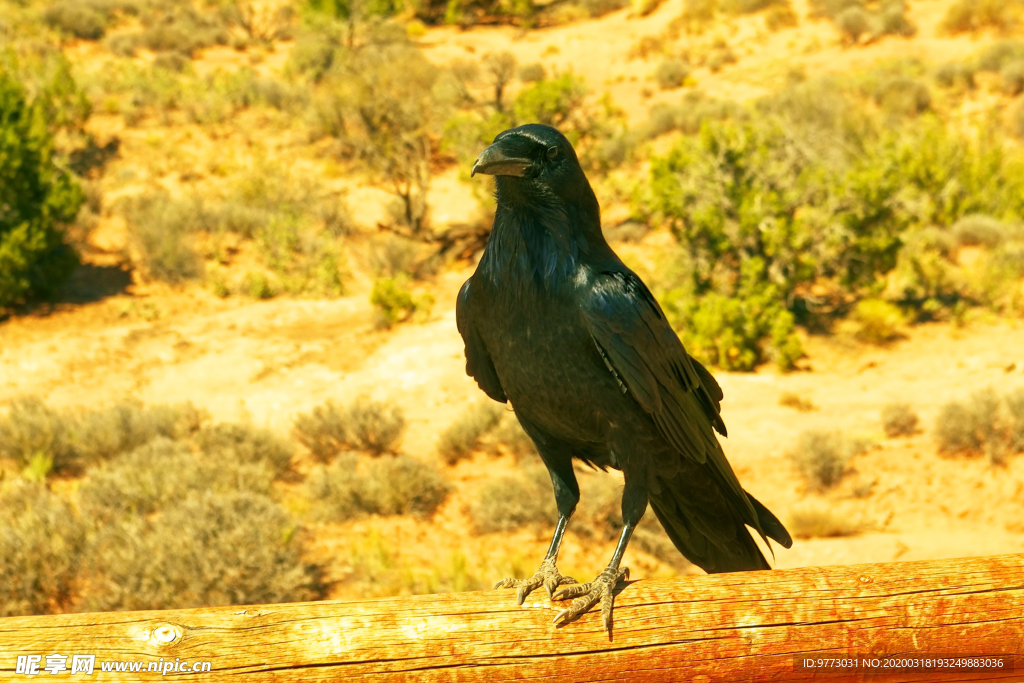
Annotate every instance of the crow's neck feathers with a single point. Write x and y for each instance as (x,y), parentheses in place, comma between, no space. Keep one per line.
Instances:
(539,240)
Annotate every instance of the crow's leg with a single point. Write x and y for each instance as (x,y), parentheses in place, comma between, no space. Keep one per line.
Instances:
(567,494)
(602,589)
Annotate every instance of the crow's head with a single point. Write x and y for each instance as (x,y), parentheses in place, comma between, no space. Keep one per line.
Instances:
(536,164)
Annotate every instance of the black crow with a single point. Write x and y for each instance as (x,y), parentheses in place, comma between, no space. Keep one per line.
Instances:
(558,326)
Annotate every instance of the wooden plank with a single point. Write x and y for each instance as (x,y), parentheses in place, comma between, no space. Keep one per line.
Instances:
(727,627)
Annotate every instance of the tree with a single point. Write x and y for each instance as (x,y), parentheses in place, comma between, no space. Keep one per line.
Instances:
(37,198)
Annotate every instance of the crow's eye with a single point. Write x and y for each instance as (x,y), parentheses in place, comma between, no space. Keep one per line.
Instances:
(552,152)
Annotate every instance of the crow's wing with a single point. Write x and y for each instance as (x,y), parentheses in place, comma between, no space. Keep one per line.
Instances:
(642,350)
(478,362)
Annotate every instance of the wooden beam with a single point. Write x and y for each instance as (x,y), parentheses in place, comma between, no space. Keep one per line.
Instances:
(729,627)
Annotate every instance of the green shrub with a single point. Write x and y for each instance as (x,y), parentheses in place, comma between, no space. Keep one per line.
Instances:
(364,425)
(395,302)
(877,322)
(244,443)
(38,197)
(671,73)
(388,486)
(462,437)
(899,419)
(903,96)
(209,549)
(160,229)
(822,456)
(41,544)
(513,501)
(256,284)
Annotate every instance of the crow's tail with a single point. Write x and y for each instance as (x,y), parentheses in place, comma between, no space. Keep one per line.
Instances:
(714,537)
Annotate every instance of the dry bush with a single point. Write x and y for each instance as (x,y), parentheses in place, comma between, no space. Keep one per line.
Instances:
(387,486)
(403,486)
(980,230)
(106,432)
(333,490)
(971,15)
(510,437)
(853,23)
(780,17)
(531,73)
(77,18)
(209,549)
(899,419)
(393,255)
(671,73)
(956,74)
(1015,412)
(979,425)
(823,522)
(158,475)
(513,501)
(244,443)
(791,399)
(1012,78)
(160,229)
(967,427)
(31,429)
(462,437)
(822,456)
(364,425)
(41,543)
(67,441)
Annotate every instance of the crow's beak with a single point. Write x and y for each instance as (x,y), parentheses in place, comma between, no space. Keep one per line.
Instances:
(498,159)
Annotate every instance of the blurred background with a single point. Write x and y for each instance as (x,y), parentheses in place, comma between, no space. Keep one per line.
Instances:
(232,232)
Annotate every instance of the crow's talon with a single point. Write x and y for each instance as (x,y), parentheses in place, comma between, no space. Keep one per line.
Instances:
(547,576)
(601,589)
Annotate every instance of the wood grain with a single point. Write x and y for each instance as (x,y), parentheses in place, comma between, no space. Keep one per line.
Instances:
(727,627)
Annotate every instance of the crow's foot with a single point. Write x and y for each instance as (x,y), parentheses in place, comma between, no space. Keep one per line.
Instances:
(601,589)
(547,576)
